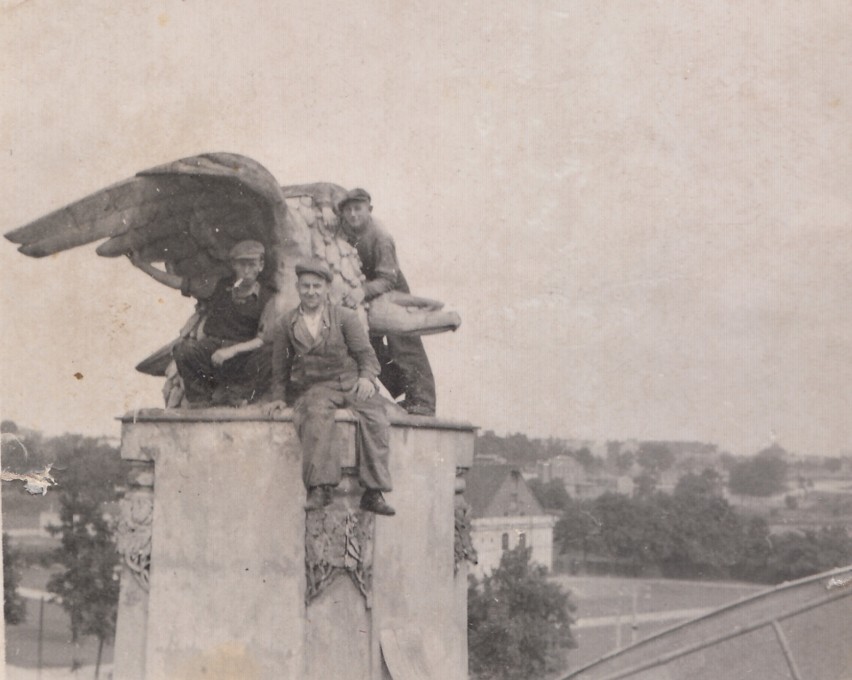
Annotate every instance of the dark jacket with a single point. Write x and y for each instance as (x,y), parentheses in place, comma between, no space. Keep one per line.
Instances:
(228,318)
(337,357)
(377,251)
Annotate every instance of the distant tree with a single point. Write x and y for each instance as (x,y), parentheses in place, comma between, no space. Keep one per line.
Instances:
(796,555)
(728,460)
(655,458)
(630,529)
(705,536)
(552,495)
(763,474)
(706,484)
(657,533)
(833,464)
(519,623)
(644,485)
(518,449)
(586,458)
(14,607)
(88,584)
(624,461)
(578,530)
(553,447)
(756,551)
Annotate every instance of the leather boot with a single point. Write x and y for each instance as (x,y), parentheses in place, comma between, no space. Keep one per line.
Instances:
(373,501)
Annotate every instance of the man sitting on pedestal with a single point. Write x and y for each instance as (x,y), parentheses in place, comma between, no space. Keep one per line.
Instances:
(322,359)
(230,363)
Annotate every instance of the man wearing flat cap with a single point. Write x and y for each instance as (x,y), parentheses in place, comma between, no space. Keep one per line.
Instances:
(322,360)
(230,363)
(405,367)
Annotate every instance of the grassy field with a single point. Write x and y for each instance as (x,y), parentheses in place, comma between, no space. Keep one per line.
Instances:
(57,648)
(605,605)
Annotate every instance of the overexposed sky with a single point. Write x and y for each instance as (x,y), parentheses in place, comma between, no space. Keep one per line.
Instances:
(641,209)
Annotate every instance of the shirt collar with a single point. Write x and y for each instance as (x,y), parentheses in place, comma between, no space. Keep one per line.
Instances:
(255,291)
(301,312)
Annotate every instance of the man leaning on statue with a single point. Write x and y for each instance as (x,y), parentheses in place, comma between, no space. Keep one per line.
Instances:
(322,361)
(405,367)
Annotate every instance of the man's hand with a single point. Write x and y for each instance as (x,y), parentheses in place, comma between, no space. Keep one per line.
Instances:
(364,388)
(348,300)
(135,260)
(273,408)
(221,355)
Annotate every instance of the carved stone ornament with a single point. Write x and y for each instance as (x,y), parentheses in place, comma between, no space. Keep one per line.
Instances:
(134,534)
(338,541)
(463,545)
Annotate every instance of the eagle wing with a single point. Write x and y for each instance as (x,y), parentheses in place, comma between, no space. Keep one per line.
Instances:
(187,214)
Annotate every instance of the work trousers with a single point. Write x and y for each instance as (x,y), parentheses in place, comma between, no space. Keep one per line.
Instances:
(405,369)
(246,377)
(313,416)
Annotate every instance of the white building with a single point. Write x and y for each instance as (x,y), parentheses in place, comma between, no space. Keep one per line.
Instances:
(505,514)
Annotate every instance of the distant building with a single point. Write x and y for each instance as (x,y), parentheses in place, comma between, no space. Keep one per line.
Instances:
(597,485)
(505,514)
(565,468)
(489,459)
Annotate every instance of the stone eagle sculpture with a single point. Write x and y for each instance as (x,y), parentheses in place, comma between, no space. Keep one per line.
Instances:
(189,213)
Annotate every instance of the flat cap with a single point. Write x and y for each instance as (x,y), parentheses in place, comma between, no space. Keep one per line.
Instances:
(246,249)
(314,266)
(354,195)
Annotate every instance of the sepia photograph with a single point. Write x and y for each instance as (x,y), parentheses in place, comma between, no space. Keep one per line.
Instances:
(433,340)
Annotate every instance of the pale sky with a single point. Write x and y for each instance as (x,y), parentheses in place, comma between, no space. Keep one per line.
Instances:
(640,209)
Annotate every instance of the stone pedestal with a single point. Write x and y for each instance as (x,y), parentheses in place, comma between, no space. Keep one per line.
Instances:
(227,576)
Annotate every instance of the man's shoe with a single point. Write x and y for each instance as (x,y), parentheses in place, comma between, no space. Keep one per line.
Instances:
(419,410)
(373,501)
(318,498)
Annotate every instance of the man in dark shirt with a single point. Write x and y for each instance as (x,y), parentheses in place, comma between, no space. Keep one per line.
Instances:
(323,360)
(230,362)
(405,366)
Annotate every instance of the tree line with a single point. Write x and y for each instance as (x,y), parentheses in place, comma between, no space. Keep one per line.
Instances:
(690,533)
(89,475)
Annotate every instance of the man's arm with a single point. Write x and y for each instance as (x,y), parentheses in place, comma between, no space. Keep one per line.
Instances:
(223,354)
(386,271)
(358,344)
(201,288)
(170,280)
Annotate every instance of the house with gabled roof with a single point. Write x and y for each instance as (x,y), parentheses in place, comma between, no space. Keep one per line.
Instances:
(505,514)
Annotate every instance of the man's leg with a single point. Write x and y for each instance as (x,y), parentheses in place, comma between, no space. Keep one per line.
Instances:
(409,356)
(313,416)
(391,377)
(259,373)
(373,439)
(246,377)
(192,358)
